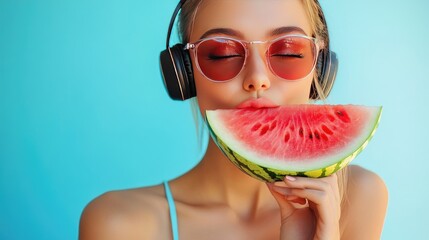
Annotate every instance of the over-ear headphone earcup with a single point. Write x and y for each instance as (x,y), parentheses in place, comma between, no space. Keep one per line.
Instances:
(330,73)
(176,69)
(326,67)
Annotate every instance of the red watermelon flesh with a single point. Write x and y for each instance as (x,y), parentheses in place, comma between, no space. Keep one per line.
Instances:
(296,138)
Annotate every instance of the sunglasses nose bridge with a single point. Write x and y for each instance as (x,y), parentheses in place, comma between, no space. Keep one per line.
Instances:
(256,70)
(256,51)
(256,44)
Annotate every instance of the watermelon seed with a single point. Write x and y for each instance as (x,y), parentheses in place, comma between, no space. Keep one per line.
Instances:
(273,125)
(316,134)
(301,132)
(327,130)
(256,127)
(343,116)
(310,136)
(287,137)
(264,130)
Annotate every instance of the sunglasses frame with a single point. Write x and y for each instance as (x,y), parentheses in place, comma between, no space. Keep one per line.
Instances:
(194,48)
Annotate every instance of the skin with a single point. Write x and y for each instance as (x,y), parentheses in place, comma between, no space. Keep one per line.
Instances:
(215,200)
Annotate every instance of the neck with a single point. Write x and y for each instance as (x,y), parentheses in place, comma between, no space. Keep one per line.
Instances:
(219,168)
(219,181)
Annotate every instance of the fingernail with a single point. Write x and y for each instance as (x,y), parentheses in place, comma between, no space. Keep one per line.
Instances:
(300,205)
(297,200)
(290,178)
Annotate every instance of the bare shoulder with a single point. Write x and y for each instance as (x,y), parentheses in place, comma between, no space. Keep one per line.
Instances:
(365,185)
(366,206)
(140,213)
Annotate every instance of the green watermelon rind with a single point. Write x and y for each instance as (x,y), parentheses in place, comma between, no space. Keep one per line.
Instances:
(270,174)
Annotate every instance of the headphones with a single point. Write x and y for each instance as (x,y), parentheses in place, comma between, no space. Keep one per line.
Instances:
(177,72)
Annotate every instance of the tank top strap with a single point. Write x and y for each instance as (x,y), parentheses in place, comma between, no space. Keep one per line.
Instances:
(173,213)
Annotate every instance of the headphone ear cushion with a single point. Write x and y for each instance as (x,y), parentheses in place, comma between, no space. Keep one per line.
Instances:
(330,73)
(176,69)
(188,73)
(327,67)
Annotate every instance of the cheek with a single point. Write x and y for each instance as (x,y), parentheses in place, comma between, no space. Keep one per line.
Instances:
(212,95)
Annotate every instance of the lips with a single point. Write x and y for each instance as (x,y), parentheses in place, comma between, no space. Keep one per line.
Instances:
(257,103)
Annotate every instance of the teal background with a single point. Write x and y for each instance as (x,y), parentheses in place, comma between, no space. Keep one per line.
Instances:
(83,109)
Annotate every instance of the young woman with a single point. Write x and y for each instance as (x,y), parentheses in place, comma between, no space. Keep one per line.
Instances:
(215,200)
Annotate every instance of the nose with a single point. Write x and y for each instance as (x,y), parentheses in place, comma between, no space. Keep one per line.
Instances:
(256,76)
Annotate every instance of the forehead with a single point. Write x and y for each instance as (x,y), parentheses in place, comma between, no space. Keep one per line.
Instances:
(254,19)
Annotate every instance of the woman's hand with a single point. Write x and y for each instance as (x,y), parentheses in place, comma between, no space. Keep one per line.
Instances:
(310,208)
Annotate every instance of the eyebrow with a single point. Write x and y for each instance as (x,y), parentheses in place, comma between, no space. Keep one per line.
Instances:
(288,29)
(234,33)
(225,31)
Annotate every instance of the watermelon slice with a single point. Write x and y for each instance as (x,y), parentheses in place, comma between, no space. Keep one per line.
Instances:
(304,140)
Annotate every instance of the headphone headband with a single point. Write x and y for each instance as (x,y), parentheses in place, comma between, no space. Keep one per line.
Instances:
(170,26)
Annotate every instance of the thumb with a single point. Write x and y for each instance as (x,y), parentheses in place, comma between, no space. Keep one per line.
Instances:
(281,198)
(285,199)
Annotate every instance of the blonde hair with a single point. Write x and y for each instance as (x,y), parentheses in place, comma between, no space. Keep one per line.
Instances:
(319,30)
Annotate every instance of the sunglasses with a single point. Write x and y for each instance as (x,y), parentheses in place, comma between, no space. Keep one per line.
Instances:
(221,59)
